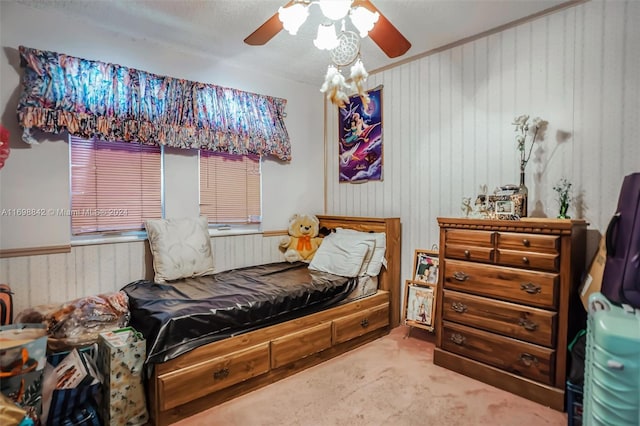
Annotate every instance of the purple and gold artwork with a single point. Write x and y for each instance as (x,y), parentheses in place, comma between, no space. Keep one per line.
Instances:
(360,134)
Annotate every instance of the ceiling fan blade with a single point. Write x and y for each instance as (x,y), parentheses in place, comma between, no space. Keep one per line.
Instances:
(384,34)
(266,31)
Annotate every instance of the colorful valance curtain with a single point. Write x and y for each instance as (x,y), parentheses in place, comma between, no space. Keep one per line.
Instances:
(111,102)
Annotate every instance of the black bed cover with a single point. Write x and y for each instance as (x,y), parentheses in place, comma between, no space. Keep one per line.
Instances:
(179,316)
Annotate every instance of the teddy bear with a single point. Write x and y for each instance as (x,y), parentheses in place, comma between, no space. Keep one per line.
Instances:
(303,240)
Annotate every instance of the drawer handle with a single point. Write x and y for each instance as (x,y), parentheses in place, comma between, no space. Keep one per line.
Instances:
(467,254)
(458,339)
(459,307)
(528,360)
(364,323)
(526,242)
(460,276)
(530,288)
(221,374)
(525,260)
(528,324)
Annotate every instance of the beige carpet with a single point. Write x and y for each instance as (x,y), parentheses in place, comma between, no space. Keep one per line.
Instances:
(391,381)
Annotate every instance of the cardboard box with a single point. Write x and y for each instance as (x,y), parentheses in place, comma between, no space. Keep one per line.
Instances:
(593,280)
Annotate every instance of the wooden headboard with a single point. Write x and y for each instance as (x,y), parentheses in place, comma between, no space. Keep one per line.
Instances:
(389,278)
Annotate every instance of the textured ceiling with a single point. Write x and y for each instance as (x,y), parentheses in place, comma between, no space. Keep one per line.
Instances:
(218,27)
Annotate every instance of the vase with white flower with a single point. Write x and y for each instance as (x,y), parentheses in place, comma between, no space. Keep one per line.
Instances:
(523,129)
(563,189)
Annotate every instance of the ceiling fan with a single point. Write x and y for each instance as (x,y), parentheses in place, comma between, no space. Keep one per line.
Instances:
(383,33)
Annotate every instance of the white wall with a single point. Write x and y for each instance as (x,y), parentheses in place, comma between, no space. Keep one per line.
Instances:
(447,122)
(38,176)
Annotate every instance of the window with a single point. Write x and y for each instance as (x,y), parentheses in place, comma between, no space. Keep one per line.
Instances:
(115,186)
(230,188)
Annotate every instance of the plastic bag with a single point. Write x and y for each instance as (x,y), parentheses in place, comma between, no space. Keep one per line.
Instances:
(80,321)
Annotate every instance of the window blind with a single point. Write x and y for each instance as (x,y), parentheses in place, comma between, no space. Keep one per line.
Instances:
(115,186)
(230,188)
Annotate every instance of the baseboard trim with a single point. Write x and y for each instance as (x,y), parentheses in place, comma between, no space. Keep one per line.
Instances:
(538,392)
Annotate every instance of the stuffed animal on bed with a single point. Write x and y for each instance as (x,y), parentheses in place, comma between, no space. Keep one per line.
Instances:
(303,241)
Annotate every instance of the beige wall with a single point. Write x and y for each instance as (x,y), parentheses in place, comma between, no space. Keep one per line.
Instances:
(447,122)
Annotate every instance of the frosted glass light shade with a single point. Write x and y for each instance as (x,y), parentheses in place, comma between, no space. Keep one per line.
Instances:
(293,17)
(363,19)
(326,38)
(335,9)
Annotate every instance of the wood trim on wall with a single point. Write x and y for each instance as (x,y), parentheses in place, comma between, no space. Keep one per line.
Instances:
(275,233)
(35,251)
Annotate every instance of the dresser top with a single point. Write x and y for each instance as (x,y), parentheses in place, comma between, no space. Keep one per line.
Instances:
(527,224)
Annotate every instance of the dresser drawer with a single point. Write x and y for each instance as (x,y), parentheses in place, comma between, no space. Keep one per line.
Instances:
(477,254)
(469,245)
(298,345)
(518,321)
(469,238)
(527,259)
(528,242)
(177,387)
(525,359)
(360,323)
(516,285)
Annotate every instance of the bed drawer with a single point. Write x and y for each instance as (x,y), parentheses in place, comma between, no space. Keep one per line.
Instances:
(187,384)
(360,323)
(527,360)
(301,344)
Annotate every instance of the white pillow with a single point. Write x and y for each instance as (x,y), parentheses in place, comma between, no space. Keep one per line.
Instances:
(377,259)
(341,256)
(181,248)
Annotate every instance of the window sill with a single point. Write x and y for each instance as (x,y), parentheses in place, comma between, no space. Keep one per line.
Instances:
(142,236)
(90,240)
(226,232)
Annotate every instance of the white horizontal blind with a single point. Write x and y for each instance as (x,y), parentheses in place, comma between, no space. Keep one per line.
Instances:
(230,188)
(115,186)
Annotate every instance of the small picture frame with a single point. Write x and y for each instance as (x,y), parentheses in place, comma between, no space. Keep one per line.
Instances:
(426,266)
(419,305)
(505,206)
(501,206)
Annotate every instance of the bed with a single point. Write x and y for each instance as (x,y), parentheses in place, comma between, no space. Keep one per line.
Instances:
(190,371)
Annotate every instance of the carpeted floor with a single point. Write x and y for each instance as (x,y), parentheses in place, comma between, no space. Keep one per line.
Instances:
(391,381)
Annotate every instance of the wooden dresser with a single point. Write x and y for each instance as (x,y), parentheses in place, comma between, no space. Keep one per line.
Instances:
(510,303)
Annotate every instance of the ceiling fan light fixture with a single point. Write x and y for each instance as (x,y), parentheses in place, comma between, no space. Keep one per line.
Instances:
(335,9)
(293,17)
(326,38)
(363,19)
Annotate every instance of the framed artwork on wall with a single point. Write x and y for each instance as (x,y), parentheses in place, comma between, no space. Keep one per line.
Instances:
(360,134)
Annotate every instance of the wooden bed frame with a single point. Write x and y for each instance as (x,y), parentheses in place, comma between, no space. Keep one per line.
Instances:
(220,371)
